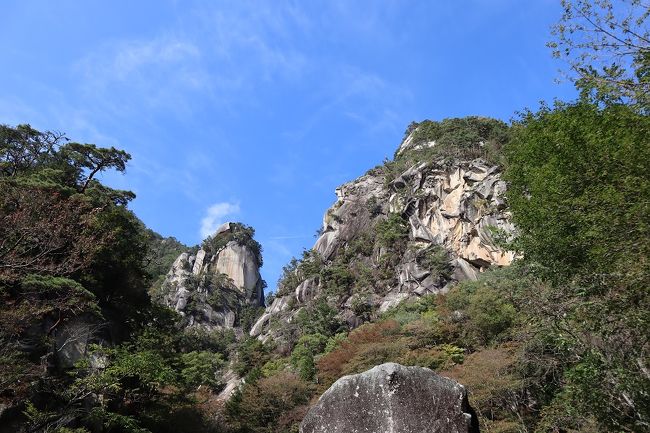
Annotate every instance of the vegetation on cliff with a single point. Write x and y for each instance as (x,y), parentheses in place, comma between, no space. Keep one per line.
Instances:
(556,342)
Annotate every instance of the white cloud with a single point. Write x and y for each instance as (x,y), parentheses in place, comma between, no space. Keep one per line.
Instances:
(125,60)
(216,215)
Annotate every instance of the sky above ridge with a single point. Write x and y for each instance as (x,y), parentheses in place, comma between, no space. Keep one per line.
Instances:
(255,111)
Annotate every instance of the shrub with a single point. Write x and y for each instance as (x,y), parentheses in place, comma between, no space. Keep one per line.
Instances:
(393,231)
(302,357)
(468,137)
(318,318)
(373,207)
(242,234)
(486,313)
(337,279)
(251,354)
(265,403)
(201,368)
(494,389)
(435,259)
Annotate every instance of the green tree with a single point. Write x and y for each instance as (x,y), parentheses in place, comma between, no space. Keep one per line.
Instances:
(579,187)
(607,46)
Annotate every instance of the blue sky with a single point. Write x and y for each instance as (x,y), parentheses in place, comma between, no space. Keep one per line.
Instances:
(256,111)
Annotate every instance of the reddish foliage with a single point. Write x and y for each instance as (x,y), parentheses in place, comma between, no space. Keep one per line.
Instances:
(332,365)
(43,231)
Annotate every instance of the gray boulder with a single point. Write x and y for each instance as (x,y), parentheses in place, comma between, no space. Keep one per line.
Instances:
(391,398)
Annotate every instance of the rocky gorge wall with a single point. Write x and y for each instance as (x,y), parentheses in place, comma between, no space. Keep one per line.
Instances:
(455,218)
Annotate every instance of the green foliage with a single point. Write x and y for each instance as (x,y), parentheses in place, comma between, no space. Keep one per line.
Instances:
(318,318)
(579,180)
(161,254)
(302,356)
(86,160)
(251,355)
(459,138)
(248,315)
(216,341)
(242,234)
(297,271)
(337,279)
(607,47)
(275,404)
(71,250)
(435,259)
(201,368)
(489,314)
(393,231)
(59,294)
(373,207)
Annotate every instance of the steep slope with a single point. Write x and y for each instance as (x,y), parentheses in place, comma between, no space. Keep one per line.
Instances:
(432,216)
(212,286)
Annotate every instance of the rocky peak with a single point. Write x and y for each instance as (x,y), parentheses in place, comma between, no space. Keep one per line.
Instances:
(405,229)
(210,287)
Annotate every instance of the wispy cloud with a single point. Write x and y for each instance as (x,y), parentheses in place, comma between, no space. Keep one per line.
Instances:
(126,60)
(128,75)
(216,215)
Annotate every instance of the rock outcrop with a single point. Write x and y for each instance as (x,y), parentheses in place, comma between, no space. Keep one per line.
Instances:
(392,398)
(210,287)
(452,207)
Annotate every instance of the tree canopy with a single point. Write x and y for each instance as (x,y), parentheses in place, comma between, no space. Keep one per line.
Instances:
(607,46)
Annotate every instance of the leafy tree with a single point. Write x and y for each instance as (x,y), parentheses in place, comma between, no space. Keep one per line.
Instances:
(269,405)
(393,231)
(87,160)
(578,186)
(579,177)
(607,46)
(201,368)
(23,149)
(302,357)
(42,230)
(318,318)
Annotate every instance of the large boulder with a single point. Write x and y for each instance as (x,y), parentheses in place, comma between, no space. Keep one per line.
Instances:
(392,398)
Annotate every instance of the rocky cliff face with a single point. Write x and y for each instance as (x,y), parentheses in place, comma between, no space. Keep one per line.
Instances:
(405,229)
(209,288)
(392,398)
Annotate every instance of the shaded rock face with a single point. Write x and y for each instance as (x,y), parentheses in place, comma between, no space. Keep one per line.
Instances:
(210,288)
(457,206)
(391,398)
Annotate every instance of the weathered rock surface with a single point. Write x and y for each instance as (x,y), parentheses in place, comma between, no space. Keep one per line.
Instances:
(458,205)
(209,288)
(391,398)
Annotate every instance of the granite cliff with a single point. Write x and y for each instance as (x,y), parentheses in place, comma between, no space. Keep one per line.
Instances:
(211,286)
(405,229)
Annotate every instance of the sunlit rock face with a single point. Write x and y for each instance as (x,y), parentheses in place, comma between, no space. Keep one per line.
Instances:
(455,205)
(209,288)
(459,205)
(391,398)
